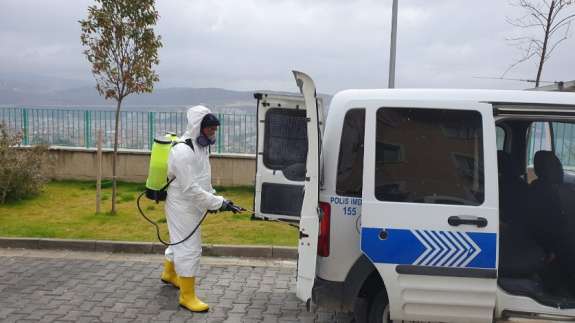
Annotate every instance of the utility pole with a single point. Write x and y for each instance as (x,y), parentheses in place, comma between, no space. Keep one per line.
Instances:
(391,79)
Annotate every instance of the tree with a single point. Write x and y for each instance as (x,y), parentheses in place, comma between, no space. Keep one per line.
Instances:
(548,22)
(121,45)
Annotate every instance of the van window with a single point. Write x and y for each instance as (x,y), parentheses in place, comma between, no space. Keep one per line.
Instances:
(500,136)
(539,138)
(440,156)
(350,161)
(564,142)
(285,142)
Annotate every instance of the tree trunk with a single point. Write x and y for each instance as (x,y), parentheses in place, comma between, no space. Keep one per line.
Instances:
(545,40)
(115,157)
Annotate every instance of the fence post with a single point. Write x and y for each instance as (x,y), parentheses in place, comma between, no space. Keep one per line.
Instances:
(220,133)
(87,126)
(25,126)
(151,130)
(99,173)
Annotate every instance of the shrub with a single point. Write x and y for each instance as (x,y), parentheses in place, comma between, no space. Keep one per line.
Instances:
(20,168)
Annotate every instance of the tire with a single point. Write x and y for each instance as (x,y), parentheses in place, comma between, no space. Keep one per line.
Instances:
(379,309)
(360,309)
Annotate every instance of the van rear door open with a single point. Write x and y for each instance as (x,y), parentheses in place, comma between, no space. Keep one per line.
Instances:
(309,221)
(287,173)
(281,156)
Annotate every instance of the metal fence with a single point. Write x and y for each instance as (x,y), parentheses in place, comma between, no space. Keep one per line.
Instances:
(79,128)
(556,136)
(237,133)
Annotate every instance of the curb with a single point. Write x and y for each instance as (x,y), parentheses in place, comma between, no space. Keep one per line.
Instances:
(214,250)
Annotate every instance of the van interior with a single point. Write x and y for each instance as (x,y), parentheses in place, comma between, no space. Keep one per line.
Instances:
(536,165)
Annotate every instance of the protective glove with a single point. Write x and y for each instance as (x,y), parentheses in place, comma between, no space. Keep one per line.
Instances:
(229,206)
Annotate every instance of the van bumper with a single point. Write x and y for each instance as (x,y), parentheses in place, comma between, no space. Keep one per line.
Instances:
(328,295)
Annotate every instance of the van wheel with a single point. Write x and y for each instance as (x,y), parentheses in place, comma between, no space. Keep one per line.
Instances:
(379,309)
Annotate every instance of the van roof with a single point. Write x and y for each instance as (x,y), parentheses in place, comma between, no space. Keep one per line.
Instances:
(498,97)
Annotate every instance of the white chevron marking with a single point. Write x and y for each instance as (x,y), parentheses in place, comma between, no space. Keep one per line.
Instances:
(428,248)
(442,245)
(445,248)
(465,248)
(452,249)
(476,248)
(468,249)
(434,246)
(459,247)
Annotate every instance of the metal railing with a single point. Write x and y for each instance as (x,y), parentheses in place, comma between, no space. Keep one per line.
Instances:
(237,134)
(79,128)
(556,136)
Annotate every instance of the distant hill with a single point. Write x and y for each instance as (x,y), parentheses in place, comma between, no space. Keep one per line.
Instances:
(87,96)
(162,99)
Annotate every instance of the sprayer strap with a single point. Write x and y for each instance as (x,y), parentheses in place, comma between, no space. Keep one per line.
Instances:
(187,142)
(168,184)
(191,145)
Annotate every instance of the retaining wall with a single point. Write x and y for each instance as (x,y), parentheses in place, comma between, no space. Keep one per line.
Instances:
(81,164)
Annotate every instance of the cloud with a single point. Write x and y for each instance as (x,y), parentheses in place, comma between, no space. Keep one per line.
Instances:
(254,44)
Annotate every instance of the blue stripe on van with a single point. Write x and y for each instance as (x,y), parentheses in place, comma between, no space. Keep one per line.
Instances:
(430,247)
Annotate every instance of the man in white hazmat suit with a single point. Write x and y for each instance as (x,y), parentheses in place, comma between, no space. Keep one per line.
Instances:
(190,195)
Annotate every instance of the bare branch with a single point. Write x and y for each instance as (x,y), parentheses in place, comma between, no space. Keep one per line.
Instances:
(548,54)
(517,62)
(562,22)
(534,11)
(549,16)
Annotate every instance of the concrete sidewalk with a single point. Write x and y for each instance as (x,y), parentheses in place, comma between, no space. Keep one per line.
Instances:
(73,286)
(249,251)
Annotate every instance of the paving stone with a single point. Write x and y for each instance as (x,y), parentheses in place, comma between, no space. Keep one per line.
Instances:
(52,289)
(270,319)
(215,320)
(234,318)
(50,318)
(88,319)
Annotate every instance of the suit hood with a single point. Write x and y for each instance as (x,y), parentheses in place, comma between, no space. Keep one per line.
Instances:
(195,115)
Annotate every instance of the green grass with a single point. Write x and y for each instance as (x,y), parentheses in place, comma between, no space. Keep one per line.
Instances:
(66,209)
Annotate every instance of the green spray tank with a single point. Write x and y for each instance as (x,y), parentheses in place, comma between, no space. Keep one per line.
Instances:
(157,180)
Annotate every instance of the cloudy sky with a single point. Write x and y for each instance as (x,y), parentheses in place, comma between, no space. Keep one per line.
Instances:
(254,44)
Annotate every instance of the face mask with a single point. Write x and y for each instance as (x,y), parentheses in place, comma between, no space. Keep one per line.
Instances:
(205,141)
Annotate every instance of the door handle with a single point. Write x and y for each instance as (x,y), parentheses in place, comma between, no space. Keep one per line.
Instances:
(455,221)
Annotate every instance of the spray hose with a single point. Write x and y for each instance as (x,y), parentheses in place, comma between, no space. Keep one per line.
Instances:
(158,227)
(236,209)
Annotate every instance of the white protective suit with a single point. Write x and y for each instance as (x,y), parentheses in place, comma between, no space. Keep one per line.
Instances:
(190,195)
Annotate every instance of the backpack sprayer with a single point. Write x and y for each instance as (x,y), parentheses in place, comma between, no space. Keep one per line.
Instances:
(157,181)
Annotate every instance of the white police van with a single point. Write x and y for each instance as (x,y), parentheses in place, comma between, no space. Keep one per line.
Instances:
(417,221)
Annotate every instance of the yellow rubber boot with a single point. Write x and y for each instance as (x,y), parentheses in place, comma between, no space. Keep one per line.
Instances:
(169,275)
(188,298)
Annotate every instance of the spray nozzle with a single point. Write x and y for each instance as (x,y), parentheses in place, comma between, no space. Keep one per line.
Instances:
(236,208)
